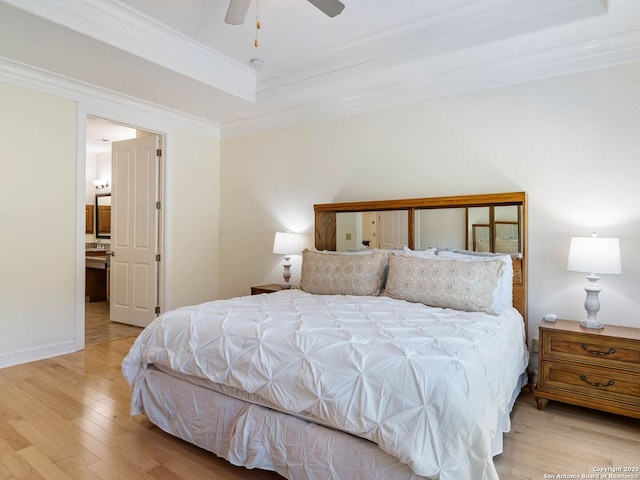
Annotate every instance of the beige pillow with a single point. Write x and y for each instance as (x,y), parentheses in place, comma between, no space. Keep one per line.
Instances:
(331,273)
(466,286)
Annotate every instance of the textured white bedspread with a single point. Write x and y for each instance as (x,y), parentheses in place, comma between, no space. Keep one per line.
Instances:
(426,384)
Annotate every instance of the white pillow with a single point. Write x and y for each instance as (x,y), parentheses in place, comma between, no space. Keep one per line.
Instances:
(503,295)
(362,251)
(427,253)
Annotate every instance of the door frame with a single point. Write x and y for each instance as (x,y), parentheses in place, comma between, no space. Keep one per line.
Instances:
(81,163)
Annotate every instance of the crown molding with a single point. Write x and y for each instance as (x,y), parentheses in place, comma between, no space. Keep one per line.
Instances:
(449,31)
(103,102)
(377,72)
(116,24)
(123,27)
(575,58)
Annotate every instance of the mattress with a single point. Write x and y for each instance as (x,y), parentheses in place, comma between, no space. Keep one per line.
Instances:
(429,387)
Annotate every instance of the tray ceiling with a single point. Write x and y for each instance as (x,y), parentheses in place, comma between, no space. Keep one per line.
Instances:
(373,55)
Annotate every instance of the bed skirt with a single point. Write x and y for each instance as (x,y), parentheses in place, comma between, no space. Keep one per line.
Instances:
(253,436)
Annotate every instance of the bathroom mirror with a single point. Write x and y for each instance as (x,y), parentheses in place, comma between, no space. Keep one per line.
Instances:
(103,215)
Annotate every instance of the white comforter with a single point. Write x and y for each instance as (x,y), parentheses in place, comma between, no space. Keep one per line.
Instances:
(426,384)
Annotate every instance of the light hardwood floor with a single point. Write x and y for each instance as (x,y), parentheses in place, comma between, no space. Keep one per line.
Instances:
(99,328)
(68,418)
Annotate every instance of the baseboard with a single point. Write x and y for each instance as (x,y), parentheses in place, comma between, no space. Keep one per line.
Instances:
(38,353)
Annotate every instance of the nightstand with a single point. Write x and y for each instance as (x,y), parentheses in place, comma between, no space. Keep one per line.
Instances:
(270,288)
(597,369)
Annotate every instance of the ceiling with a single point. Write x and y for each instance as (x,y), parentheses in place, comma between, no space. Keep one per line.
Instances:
(101,133)
(375,54)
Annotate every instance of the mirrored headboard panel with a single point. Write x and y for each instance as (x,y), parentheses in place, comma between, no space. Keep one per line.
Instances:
(494,222)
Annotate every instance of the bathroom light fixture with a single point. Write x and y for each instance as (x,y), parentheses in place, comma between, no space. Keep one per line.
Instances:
(594,255)
(286,244)
(101,184)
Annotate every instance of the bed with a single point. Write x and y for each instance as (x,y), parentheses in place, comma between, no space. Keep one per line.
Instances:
(384,364)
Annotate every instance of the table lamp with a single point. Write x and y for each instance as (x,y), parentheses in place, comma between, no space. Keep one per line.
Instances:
(287,244)
(594,255)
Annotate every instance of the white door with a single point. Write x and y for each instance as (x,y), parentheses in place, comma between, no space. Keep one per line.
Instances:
(393,229)
(134,230)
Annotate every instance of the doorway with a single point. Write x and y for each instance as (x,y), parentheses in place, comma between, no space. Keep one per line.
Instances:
(100,230)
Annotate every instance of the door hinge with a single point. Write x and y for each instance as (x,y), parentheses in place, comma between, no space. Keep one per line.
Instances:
(157,257)
(159,152)
(158,205)
(157,309)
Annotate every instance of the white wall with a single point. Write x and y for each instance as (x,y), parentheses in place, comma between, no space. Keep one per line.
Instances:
(571,142)
(90,175)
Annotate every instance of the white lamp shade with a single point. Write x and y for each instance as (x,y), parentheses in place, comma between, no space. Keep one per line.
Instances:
(286,243)
(594,255)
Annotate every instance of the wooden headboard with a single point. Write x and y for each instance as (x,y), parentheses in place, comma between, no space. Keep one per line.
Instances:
(326,226)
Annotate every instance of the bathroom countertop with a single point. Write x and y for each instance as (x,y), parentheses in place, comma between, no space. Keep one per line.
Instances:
(96,262)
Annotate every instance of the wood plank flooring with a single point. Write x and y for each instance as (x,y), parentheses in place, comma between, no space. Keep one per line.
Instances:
(99,328)
(68,418)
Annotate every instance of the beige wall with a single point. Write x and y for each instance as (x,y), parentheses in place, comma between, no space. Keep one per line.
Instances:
(193,217)
(37,220)
(42,216)
(571,142)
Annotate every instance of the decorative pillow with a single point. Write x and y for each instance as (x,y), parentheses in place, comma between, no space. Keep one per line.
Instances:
(503,296)
(466,286)
(482,246)
(507,245)
(338,274)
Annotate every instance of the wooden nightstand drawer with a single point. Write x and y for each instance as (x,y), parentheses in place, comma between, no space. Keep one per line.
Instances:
(591,381)
(597,350)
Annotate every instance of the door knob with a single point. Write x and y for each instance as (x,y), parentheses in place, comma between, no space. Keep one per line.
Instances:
(113,254)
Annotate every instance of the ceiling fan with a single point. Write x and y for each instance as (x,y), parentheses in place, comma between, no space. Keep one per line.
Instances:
(238,9)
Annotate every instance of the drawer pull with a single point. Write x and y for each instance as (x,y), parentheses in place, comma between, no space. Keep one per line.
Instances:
(596,384)
(585,347)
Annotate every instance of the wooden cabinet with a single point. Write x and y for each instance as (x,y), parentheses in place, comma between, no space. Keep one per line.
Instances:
(88,222)
(104,220)
(598,369)
(270,288)
(96,285)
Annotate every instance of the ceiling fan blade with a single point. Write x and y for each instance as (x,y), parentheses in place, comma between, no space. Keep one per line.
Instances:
(237,12)
(329,7)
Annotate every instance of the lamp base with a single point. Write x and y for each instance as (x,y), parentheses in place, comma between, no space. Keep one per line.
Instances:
(592,303)
(595,324)
(286,274)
